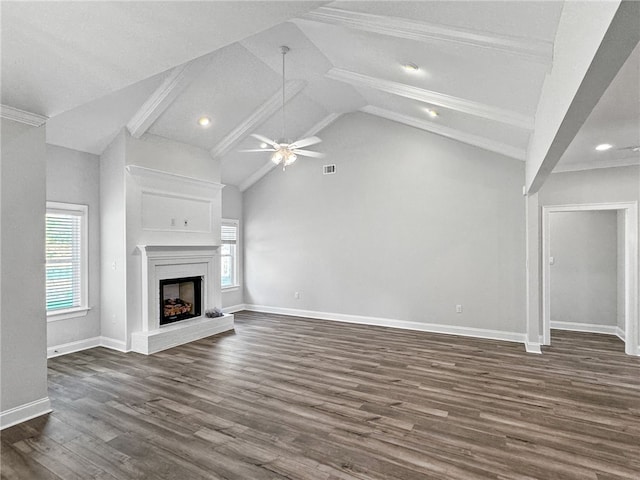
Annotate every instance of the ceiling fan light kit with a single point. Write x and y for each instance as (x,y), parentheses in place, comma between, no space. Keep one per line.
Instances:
(284,151)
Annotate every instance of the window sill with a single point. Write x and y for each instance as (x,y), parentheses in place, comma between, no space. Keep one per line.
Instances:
(68,313)
(233,288)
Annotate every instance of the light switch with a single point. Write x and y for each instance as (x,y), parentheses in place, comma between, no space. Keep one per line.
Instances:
(552,260)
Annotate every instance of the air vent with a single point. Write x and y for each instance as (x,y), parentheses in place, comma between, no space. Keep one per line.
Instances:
(328,169)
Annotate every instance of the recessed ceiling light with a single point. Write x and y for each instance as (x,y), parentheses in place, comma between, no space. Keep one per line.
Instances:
(263,145)
(204,121)
(410,67)
(603,146)
(432,113)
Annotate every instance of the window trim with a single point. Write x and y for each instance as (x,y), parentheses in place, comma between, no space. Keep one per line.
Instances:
(237,277)
(83,212)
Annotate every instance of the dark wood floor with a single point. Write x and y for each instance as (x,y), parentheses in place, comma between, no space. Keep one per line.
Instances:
(307,399)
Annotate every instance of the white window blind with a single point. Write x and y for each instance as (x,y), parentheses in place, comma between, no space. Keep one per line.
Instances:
(229,234)
(65,262)
(229,254)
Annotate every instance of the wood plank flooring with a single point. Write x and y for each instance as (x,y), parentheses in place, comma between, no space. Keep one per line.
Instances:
(292,398)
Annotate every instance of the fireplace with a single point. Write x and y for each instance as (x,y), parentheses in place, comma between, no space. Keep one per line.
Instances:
(180,299)
(187,277)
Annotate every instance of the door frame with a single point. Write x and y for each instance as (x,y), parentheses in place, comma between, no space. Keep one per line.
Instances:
(631,321)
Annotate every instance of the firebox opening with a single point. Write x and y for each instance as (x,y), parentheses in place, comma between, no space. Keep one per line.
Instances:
(180,299)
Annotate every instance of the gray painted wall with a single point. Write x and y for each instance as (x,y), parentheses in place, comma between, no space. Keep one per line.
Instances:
(410,225)
(23,333)
(232,209)
(584,275)
(74,177)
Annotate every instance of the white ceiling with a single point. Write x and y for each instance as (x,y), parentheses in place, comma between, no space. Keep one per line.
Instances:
(614,120)
(93,67)
(59,55)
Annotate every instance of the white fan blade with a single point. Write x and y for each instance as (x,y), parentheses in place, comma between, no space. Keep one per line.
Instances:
(259,150)
(305,142)
(309,153)
(265,140)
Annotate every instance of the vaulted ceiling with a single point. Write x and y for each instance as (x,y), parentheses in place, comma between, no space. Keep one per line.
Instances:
(158,67)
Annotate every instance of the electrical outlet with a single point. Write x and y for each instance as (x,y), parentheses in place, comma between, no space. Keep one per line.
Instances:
(458,308)
(186,222)
(173,222)
(296,295)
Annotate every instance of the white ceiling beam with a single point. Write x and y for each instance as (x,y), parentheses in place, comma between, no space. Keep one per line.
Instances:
(535,50)
(452,133)
(267,167)
(266,110)
(434,98)
(22,116)
(176,82)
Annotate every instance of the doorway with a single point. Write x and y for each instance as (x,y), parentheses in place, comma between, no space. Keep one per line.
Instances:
(626,326)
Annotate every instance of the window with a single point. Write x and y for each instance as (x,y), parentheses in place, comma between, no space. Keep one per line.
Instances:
(66,260)
(229,254)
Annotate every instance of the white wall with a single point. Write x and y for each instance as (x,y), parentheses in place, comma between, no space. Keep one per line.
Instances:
(232,209)
(584,274)
(74,177)
(113,280)
(121,223)
(23,333)
(409,226)
(170,156)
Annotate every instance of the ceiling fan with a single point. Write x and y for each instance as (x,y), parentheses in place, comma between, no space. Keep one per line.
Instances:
(285,152)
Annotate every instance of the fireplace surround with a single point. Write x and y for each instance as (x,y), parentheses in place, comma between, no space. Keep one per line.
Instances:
(176,267)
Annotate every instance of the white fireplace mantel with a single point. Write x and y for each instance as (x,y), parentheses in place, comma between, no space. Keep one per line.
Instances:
(161,262)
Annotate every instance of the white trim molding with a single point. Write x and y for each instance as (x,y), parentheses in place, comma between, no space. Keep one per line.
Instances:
(266,110)
(178,79)
(585,327)
(533,347)
(267,167)
(72,347)
(393,323)
(22,413)
(631,268)
(577,167)
(457,104)
(113,344)
(475,140)
(86,344)
(530,49)
(234,308)
(22,116)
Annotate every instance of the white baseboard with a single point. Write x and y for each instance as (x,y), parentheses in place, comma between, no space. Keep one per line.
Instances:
(585,327)
(533,347)
(114,344)
(620,333)
(71,347)
(25,412)
(393,323)
(234,308)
